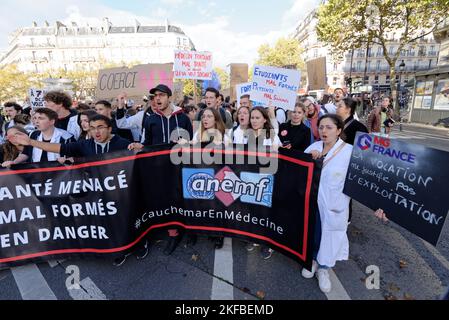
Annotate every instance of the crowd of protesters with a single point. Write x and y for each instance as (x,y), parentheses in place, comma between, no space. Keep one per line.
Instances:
(60,132)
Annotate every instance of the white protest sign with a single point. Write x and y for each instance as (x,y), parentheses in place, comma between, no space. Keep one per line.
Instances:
(193,65)
(37,98)
(242,89)
(275,87)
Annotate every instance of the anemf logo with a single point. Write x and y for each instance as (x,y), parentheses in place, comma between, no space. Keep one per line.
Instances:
(226,186)
(382,146)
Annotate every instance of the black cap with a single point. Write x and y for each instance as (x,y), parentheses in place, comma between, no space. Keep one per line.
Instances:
(162,88)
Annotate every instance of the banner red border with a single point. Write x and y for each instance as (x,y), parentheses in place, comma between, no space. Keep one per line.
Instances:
(302,255)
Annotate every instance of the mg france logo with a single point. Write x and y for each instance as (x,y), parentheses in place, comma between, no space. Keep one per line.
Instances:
(364,142)
(226,186)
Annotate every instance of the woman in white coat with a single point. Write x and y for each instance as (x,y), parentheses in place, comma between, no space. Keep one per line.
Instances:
(333,205)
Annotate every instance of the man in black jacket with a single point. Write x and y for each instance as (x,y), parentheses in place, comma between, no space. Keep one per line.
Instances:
(102,142)
(167,125)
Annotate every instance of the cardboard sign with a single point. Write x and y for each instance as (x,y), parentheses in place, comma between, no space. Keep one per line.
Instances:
(239,74)
(275,86)
(193,65)
(316,74)
(37,98)
(406,180)
(136,81)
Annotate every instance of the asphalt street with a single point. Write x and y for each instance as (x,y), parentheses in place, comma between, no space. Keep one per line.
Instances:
(409,268)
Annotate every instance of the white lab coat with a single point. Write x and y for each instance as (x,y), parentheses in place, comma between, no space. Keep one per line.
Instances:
(333,205)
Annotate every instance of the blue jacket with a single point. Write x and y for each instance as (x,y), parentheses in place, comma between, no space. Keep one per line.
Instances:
(85,148)
(159,129)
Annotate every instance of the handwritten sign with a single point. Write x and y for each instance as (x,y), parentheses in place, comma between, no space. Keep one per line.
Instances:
(405,180)
(136,81)
(193,65)
(37,98)
(242,89)
(275,86)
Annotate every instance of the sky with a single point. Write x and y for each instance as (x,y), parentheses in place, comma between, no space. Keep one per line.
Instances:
(232,30)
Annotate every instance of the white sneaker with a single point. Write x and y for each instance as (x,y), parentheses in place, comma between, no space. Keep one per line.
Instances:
(324,280)
(309,274)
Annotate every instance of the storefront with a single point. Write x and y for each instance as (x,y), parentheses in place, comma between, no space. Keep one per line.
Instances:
(431,96)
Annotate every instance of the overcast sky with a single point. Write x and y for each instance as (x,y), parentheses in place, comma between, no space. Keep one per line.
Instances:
(233,30)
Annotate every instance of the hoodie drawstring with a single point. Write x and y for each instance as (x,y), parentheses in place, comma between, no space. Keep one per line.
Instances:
(163,127)
(177,126)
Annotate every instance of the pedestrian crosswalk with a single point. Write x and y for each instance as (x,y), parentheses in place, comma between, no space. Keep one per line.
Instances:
(36,282)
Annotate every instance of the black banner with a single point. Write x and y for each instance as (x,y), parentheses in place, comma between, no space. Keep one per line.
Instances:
(406,180)
(107,204)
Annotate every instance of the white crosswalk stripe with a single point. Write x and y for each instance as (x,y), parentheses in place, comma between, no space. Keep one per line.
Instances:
(32,284)
(223,269)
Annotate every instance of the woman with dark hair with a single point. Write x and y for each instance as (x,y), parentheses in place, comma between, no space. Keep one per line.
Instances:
(331,241)
(83,122)
(262,135)
(346,110)
(9,151)
(262,132)
(294,134)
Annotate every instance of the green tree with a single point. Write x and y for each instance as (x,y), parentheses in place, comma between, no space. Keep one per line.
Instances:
(84,82)
(14,84)
(352,24)
(224,77)
(285,53)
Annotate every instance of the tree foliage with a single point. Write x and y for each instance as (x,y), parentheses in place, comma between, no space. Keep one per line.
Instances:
(14,84)
(286,52)
(224,77)
(352,24)
(189,87)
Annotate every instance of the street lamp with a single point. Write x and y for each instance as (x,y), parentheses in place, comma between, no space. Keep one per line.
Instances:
(401,70)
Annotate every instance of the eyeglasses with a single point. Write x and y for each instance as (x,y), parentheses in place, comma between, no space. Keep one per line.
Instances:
(100,128)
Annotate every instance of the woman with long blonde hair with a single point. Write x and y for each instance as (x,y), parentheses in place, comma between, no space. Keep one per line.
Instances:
(212,128)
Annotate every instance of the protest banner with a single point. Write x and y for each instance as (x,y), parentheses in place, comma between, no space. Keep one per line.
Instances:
(403,179)
(275,87)
(106,204)
(136,81)
(193,65)
(37,98)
